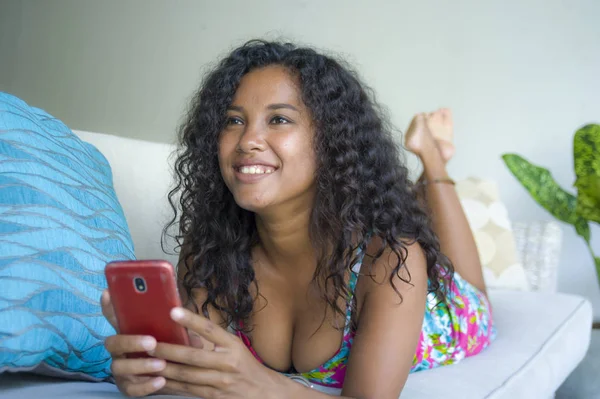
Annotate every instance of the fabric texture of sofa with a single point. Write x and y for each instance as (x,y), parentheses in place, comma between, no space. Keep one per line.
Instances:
(542,335)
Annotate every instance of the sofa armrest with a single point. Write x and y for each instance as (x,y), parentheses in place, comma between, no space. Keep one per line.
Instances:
(538,248)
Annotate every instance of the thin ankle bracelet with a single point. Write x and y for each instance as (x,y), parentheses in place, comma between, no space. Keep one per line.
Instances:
(443,180)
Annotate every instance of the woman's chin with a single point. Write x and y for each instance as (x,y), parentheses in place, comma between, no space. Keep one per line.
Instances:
(253,205)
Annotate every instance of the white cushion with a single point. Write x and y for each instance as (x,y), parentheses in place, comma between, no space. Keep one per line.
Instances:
(142,176)
(493,233)
(541,339)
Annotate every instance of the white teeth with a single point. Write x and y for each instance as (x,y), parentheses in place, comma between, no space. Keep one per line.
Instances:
(256,170)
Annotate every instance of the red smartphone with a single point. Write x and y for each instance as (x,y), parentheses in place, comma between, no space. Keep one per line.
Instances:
(143,292)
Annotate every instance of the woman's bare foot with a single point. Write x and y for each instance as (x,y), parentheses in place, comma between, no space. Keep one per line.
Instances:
(433,128)
(418,138)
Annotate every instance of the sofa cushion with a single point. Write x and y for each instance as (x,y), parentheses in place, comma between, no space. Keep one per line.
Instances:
(493,233)
(60,223)
(541,338)
(142,187)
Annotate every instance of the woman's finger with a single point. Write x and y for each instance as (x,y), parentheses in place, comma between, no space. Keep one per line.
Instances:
(119,345)
(197,341)
(193,357)
(202,326)
(145,388)
(196,375)
(107,309)
(136,366)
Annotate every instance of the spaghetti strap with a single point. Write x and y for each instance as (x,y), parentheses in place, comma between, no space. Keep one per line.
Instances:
(351,288)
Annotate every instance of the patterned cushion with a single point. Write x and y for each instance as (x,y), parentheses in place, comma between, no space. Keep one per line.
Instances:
(488,219)
(60,223)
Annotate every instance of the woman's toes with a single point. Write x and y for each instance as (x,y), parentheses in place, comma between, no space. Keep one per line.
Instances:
(436,116)
(440,123)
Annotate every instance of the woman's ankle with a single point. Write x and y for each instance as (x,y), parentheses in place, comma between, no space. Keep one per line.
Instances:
(434,165)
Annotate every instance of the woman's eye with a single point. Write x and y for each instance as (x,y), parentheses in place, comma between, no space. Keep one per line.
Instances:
(234,121)
(278,120)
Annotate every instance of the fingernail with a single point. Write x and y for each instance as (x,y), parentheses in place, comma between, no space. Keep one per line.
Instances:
(196,340)
(158,383)
(157,364)
(148,343)
(177,314)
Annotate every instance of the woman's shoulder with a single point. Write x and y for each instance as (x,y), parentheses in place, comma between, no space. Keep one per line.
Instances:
(381,259)
(396,270)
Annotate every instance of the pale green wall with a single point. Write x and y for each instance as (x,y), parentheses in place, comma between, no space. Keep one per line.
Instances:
(10,17)
(127,67)
(521,76)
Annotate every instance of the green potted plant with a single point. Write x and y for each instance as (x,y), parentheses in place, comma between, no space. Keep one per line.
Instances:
(578,210)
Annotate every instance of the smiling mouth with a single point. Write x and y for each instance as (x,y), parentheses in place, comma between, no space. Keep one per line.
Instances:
(255,170)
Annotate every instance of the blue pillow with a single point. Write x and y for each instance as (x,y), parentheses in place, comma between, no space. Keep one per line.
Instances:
(60,223)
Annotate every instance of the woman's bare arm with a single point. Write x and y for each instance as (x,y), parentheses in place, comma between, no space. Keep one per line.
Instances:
(388,331)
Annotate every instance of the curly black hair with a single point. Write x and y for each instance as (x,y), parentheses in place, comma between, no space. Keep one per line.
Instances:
(362,187)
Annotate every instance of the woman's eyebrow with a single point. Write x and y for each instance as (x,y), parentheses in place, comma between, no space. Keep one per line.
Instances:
(270,106)
(282,105)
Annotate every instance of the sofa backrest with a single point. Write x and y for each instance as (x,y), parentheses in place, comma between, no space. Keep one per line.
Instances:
(142,176)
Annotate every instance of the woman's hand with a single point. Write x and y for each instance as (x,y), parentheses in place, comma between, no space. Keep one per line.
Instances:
(132,376)
(137,377)
(228,371)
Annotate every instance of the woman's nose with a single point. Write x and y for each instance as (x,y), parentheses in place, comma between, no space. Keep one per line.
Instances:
(252,139)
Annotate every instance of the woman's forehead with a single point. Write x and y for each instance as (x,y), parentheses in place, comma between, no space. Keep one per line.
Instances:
(268,85)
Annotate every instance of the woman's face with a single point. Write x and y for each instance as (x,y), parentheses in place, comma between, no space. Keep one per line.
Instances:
(266,150)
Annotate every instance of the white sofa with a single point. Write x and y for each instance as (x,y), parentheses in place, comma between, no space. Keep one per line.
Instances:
(542,335)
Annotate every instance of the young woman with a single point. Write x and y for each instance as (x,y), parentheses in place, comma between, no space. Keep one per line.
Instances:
(308,256)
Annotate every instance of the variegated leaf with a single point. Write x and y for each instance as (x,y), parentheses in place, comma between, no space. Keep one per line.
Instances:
(586,155)
(546,192)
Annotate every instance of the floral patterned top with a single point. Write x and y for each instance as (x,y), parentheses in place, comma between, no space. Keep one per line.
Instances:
(451,331)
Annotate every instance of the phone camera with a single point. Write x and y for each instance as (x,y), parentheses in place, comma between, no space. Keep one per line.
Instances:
(139,284)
